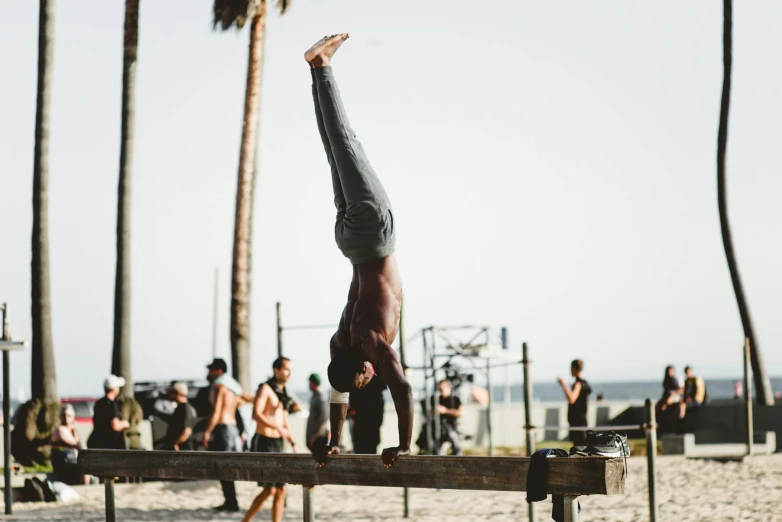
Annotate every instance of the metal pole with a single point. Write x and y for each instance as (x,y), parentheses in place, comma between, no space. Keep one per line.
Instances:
(488,410)
(651,458)
(279,331)
(214,315)
(506,388)
(571,508)
(109,487)
(748,397)
(403,360)
(309,513)
(436,435)
(528,415)
(427,420)
(8,492)
(527,401)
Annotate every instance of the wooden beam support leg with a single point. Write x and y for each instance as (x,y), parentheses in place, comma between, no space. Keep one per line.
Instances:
(309,513)
(110,515)
(571,508)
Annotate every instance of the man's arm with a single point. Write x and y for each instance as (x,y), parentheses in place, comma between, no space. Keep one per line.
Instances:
(287,427)
(338,411)
(338,414)
(389,369)
(183,437)
(117,424)
(453,412)
(570,395)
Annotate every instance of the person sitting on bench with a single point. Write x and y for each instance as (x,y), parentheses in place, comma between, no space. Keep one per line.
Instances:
(694,392)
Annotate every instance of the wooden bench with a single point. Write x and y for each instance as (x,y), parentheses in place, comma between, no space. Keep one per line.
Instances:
(571,477)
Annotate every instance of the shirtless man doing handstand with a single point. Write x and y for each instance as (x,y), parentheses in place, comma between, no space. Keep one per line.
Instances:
(364,232)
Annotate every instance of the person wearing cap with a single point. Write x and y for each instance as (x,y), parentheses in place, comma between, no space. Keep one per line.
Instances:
(107,424)
(180,426)
(222,431)
(318,421)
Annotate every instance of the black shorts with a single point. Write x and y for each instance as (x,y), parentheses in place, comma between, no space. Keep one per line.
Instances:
(263,444)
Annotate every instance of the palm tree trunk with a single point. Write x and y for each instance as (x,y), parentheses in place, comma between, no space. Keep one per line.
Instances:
(44,375)
(762,383)
(120,363)
(241,267)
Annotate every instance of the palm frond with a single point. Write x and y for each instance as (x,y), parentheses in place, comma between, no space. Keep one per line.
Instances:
(228,13)
(283,5)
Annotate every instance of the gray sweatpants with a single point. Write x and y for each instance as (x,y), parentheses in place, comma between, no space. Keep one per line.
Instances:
(365,224)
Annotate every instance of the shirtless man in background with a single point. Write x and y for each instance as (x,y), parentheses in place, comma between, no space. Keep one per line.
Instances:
(365,234)
(222,432)
(270,412)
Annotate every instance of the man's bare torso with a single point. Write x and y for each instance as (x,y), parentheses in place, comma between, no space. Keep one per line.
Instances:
(227,404)
(374,304)
(272,409)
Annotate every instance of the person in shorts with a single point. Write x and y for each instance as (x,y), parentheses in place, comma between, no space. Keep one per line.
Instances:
(270,412)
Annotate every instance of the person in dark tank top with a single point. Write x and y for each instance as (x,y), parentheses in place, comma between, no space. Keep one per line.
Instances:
(577,397)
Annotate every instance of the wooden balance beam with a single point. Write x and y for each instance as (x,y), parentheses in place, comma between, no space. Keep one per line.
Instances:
(570,477)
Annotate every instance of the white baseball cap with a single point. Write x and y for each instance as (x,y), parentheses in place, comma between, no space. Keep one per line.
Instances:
(112,381)
(180,388)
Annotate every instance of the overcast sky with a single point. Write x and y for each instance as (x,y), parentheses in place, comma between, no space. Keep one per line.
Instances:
(551,165)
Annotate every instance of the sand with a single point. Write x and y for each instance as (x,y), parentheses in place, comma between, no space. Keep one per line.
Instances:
(688,490)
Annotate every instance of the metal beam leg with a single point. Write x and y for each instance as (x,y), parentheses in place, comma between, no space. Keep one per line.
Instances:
(8,493)
(110,515)
(571,508)
(407,502)
(530,434)
(309,513)
(651,456)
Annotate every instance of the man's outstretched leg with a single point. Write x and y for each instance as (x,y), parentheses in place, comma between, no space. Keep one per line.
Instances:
(366,231)
(339,198)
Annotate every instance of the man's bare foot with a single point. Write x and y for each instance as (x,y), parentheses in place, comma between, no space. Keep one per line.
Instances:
(320,54)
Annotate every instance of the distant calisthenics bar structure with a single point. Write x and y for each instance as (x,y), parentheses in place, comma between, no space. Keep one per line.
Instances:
(456,353)
(568,477)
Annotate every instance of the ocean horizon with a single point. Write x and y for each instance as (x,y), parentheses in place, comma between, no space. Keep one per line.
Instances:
(622,391)
(639,391)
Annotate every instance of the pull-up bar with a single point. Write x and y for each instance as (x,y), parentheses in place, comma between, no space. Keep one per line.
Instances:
(571,477)
(281,328)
